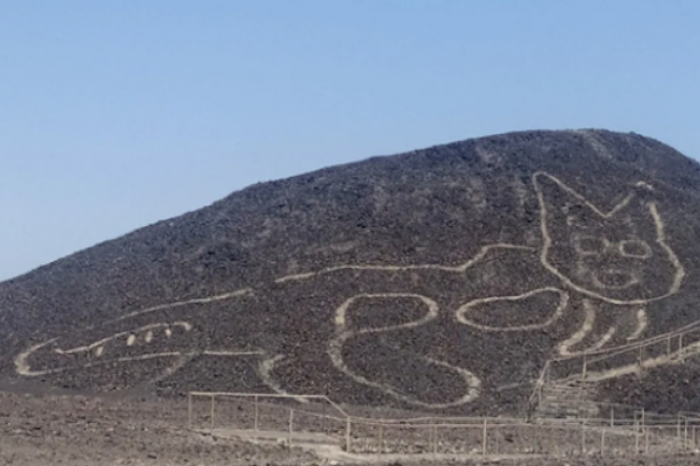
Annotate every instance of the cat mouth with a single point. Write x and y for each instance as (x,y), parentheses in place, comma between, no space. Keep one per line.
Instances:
(614,279)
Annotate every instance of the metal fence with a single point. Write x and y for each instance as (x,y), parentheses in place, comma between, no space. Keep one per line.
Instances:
(294,419)
(632,358)
(670,348)
(296,416)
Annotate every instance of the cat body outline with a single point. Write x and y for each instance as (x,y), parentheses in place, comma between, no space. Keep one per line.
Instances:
(586,281)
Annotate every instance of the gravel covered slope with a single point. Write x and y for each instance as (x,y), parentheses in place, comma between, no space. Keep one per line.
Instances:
(439,279)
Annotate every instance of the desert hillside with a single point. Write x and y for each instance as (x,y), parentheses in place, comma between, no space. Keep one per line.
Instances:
(441,279)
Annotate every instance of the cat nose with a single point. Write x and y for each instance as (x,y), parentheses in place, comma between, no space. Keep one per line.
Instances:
(614,279)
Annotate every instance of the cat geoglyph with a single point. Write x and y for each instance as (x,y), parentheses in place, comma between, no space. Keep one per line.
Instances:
(607,265)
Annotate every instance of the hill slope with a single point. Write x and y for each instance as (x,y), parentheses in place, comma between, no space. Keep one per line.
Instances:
(442,278)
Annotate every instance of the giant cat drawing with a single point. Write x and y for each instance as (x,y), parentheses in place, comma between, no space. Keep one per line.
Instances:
(428,335)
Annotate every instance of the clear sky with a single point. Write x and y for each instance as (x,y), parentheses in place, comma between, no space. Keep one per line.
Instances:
(117,114)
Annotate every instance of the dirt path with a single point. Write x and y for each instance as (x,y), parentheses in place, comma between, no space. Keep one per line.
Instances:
(49,430)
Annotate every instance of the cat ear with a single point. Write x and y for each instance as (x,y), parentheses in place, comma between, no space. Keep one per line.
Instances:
(560,204)
(560,200)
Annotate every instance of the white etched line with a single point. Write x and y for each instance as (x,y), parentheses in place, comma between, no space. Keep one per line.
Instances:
(582,332)
(335,351)
(461,314)
(399,268)
(642,323)
(265,369)
(341,312)
(601,342)
(547,239)
(129,333)
(677,357)
(661,241)
(232,353)
(202,300)
(24,369)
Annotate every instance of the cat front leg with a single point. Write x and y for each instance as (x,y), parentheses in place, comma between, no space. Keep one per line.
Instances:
(577,342)
(604,327)
(640,326)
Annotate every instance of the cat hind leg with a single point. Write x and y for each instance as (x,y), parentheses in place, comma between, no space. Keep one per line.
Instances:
(381,342)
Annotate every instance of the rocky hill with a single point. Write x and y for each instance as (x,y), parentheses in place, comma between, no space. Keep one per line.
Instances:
(439,279)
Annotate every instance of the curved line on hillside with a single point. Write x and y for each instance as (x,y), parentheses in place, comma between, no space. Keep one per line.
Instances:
(642,323)
(559,311)
(335,351)
(397,268)
(547,240)
(580,334)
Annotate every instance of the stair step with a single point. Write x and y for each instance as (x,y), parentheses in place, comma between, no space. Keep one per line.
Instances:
(569,399)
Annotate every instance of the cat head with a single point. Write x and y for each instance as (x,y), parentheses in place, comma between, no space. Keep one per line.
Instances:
(620,255)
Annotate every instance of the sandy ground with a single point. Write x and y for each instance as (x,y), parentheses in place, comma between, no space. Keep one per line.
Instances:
(49,429)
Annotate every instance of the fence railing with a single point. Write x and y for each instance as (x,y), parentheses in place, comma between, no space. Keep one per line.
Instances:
(617,429)
(295,422)
(673,347)
(258,412)
(492,436)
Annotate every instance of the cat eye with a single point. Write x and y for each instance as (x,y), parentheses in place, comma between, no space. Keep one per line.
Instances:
(590,245)
(635,248)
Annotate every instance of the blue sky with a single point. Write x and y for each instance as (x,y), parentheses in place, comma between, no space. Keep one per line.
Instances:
(117,114)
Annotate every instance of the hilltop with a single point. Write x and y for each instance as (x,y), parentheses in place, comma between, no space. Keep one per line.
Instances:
(439,279)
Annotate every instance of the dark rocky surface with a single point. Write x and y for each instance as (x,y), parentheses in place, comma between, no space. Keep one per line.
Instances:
(439,279)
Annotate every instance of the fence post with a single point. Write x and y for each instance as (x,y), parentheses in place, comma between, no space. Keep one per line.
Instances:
(646,440)
(347,435)
(291,427)
(435,440)
(612,416)
(636,436)
(583,376)
(545,380)
(685,434)
(324,423)
(602,441)
(583,437)
(381,439)
(256,421)
(431,440)
(189,410)
(483,439)
(680,348)
(212,412)
(495,437)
